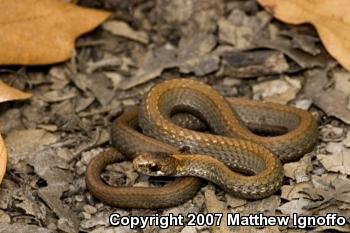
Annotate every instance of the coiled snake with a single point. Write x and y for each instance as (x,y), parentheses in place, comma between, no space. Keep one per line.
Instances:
(173,142)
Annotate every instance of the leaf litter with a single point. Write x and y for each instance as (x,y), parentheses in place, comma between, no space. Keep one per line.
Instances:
(52,137)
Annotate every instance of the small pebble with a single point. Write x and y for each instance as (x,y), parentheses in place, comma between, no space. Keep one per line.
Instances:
(79,198)
(4,218)
(90,209)
(304,104)
(86,215)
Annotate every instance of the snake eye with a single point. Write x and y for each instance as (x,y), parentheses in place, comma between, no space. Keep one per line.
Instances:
(153,167)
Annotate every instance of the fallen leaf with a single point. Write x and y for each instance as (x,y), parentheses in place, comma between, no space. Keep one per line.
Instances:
(290,192)
(48,166)
(194,54)
(3,158)
(246,64)
(30,205)
(334,147)
(331,133)
(299,170)
(42,32)
(327,180)
(31,147)
(265,206)
(240,29)
(332,102)
(344,197)
(126,169)
(188,17)
(21,143)
(58,95)
(303,39)
(122,29)
(330,18)
(107,62)
(153,65)
(336,163)
(327,194)
(8,93)
(294,206)
(277,91)
(303,59)
(342,81)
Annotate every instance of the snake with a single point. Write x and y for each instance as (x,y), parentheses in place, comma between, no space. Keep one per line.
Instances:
(186,129)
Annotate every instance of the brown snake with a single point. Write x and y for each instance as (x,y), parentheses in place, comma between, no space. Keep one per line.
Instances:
(241,162)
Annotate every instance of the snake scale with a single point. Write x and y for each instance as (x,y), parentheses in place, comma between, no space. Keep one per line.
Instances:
(189,129)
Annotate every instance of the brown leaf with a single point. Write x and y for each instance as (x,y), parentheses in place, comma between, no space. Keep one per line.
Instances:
(8,93)
(42,32)
(3,158)
(330,18)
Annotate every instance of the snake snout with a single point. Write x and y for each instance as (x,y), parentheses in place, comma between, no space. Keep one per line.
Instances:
(155,164)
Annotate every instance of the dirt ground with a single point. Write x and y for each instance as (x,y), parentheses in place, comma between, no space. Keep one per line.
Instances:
(236,47)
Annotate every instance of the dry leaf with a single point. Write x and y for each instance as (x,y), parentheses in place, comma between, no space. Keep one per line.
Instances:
(3,158)
(42,32)
(333,102)
(336,163)
(330,18)
(299,170)
(240,29)
(253,63)
(194,54)
(123,29)
(294,206)
(303,59)
(8,93)
(291,192)
(277,91)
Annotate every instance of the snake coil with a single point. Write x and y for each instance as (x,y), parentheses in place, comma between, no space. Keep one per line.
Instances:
(227,153)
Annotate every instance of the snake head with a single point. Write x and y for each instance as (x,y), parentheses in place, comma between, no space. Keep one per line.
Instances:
(155,164)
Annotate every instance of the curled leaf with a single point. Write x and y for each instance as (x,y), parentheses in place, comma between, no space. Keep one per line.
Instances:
(330,18)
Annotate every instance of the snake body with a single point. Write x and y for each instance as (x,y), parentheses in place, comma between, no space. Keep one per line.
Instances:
(241,162)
